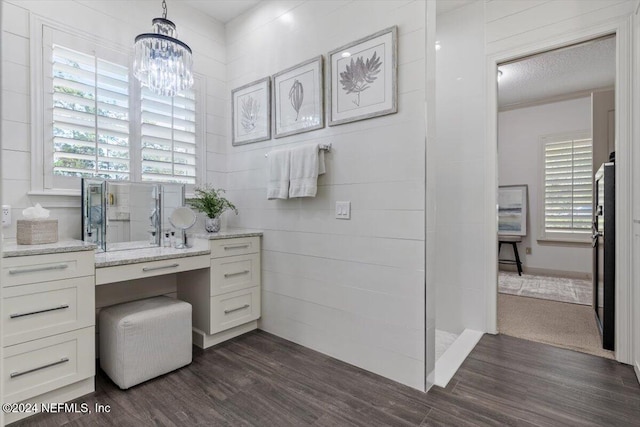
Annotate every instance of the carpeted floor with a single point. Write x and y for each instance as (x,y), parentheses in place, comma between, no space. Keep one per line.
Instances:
(576,291)
(561,324)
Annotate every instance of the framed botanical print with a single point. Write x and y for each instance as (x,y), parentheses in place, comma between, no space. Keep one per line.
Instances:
(251,112)
(363,78)
(298,103)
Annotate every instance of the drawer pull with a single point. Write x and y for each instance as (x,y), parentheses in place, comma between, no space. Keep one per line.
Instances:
(60,307)
(36,269)
(162,267)
(246,245)
(236,273)
(48,365)
(236,309)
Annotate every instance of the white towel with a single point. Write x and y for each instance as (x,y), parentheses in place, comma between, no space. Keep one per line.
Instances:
(279,169)
(307,162)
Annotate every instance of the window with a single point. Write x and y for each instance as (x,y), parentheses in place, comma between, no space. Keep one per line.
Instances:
(567,184)
(168,137)
(91,118)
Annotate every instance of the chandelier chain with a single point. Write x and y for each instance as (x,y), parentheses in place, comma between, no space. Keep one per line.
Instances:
(164,9)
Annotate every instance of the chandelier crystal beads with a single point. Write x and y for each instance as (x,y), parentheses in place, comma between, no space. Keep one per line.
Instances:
(162,62)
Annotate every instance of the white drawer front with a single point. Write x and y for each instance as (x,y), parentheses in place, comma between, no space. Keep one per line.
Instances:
(231,247)
(234,273)
(120,273)
(39,366)
(44,268)
(35,311)
(234,309)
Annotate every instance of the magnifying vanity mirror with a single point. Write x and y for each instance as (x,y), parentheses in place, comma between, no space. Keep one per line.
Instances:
(119,215)
(183,218)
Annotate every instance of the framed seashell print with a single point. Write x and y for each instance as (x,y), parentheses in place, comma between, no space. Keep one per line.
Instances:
(251,112)
(298,103)
(363,78)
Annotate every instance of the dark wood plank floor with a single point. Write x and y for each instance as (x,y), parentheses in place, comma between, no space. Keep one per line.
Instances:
(261,380)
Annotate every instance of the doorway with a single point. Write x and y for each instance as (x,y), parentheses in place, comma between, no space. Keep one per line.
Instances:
(556,127)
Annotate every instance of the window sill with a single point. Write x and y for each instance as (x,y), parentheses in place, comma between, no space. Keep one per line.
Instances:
(564,241)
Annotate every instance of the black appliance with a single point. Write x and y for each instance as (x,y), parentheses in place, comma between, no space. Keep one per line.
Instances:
(604,252)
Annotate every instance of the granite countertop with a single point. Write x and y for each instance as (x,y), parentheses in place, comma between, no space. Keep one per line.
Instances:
(128,256)
(156,253)
(230,233)
(12,249)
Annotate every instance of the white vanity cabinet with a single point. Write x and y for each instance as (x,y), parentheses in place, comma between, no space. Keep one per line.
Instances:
(48,320)
(226,302)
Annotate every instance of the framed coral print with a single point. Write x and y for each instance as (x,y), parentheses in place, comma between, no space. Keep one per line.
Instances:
(363,78)
(298,103)
(251,112)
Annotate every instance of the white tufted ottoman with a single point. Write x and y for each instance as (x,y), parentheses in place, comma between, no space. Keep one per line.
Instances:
(143,339)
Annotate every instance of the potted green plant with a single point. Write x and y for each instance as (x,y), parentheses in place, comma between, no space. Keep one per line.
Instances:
(210,201)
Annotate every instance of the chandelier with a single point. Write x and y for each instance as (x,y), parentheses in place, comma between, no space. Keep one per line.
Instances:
(161,61)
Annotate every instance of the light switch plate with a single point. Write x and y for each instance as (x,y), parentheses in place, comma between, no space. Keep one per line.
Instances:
(343,210)
(6,215)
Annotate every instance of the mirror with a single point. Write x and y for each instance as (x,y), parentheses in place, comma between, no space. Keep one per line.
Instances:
(93,207)
(183,218)
(119,215)
(133,215)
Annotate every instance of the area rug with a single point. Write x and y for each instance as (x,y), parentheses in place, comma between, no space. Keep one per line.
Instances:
(575,291)
(571,326)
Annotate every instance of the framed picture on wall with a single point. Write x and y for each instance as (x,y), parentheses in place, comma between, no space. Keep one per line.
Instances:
(298,98)
(363,78)
(251,112)
(512,210)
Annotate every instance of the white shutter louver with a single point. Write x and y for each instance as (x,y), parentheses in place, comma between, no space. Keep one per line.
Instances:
(168,137)
(90,116)
(568,185)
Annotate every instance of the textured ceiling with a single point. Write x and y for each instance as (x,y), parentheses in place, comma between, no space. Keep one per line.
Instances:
(579,68)
(222,10)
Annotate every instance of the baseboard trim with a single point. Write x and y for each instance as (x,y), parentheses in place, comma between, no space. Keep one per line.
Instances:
(548,272)
(204,340)
(451,360)
(636,367)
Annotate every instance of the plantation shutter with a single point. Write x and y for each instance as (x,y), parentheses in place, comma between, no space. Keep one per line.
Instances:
(168,137)
(568,185)
(90,116)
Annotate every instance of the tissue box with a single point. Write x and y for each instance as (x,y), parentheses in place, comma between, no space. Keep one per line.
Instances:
(37,231)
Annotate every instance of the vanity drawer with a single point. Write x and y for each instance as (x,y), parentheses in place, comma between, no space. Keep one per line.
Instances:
(121,273)
(36,311)
(230,274)
(44,268)
(230,247)
(233,309)
(43,365)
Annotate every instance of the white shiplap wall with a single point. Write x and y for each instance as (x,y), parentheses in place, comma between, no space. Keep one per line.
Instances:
(118,22)
(351,289)
(511,24)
